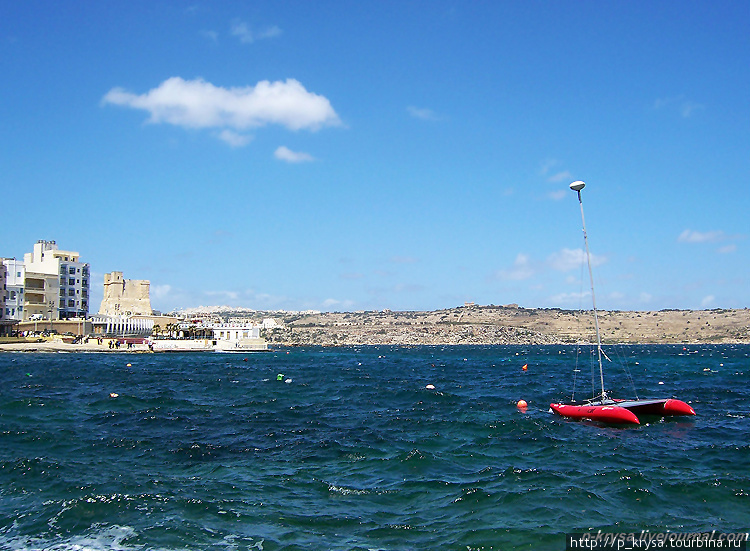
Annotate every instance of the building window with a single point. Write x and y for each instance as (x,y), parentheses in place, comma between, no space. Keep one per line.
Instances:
(62,303)
(71,281)
(72,270)
(62,292)
(85,282)
(71,292)
(71,304)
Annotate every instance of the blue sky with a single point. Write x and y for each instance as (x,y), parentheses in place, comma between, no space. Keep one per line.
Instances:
(370,155)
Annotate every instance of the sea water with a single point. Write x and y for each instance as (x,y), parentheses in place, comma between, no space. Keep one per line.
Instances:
(347,448)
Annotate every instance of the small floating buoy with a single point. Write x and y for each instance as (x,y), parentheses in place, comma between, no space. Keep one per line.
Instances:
(288,381)
(661,382)
(280,377)
(525,367)
(244,360)
(113,395)
(521,404)
(129,365)
(430,387)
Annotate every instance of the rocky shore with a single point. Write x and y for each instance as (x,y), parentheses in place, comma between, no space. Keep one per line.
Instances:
(511,325)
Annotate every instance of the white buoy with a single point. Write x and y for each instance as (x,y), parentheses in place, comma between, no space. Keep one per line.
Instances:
(430,387)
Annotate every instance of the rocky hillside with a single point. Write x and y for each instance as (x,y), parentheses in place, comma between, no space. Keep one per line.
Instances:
(510,325)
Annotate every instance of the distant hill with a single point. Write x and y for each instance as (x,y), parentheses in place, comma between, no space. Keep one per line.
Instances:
(508,325)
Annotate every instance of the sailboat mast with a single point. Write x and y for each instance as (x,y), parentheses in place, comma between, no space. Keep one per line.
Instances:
(577,187)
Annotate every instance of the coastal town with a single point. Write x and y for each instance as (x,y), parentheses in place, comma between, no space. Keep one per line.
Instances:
(45,301)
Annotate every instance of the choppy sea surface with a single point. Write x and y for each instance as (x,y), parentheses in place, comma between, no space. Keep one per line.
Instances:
(351,450)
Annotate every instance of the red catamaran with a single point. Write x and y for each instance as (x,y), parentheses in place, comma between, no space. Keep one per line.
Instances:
(603,407)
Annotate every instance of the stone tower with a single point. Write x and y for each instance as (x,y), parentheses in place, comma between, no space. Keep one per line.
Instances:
(125,296)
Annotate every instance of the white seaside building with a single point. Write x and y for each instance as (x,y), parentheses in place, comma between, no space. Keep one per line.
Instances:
(15,274)
(5,324)
(56,283)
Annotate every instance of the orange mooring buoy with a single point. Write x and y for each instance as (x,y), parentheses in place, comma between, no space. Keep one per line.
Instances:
(525,367)
(521,404)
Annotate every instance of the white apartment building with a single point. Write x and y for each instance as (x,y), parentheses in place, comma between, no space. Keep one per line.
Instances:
(5,324)
(57,283)
(15,274)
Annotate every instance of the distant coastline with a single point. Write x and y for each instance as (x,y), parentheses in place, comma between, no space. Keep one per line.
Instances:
(477,325)
(511,325)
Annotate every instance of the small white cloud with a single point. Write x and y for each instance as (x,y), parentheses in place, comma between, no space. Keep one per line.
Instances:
(242,31)
(557,195)
(403,260)
(332,303)
(562,176)
(234,139)
(679,104)
(283,153)
(160,291)
(726,249)
(223,295)
(645,298)
(568,299)
(213,36)
(521,269)
(708,301)
(422,113)
(691,236)
(572,259)
(200,104)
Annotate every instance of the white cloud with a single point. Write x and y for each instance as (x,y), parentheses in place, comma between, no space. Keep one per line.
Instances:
(645,298)
(691,236)
(160,291)
(332,303)
(569,299)
(283,153)
(200,104)
(242,31)
(213,36)
(403,260)
(234,138)
(422,113)
(521,269)
(572,259)
(557,195)
(680,104)
(562,176)
(708,301)
(726,249)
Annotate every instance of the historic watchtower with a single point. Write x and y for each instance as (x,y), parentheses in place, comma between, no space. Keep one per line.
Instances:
(125,296)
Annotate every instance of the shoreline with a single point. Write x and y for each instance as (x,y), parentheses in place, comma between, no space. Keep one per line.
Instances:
(475,325)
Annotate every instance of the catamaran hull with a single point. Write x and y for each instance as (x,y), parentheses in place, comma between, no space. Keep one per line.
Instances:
(604,414)
(623,411)
(663,408)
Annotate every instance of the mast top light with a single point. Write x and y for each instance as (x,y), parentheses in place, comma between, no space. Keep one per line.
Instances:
(578,185)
